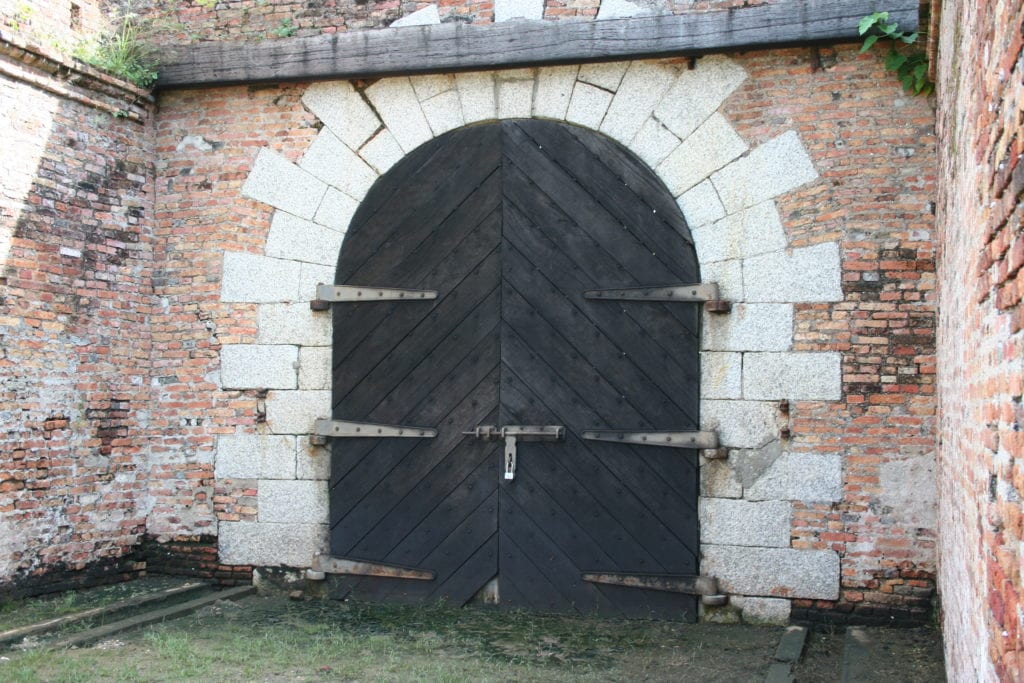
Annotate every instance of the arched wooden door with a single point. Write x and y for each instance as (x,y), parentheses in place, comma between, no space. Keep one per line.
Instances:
(511,222)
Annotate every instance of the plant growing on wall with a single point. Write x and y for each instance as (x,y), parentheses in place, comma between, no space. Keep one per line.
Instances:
(908,61)
(123,51)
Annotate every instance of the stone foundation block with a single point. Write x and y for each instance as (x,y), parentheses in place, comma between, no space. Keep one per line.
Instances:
(606,76)
(740,522)
(774,168)
(721,375)
(703,152)
(293,323)
(806,274)
(332,161)
(397,104)
(750,232)
(476,93)
(443,112)
(553,91)
(336,211)
(342,110)
(254,278)
(294,238)
(773,572)
(717,480)
(255,366)
(270,545)
(653,142)
(382,152)
(750,327)
(700,205)
(515,96)
(740,424)
(697,94)
(767,611)
(294,412)
(278,182)
(807,477)
(588,105)
(255,456)
(315,367)
(640,90)
(799,376)
(294,502)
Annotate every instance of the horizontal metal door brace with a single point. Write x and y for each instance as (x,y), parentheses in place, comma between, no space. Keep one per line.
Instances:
(345,429)
(706,293)
(513,433)
(704,586)
(342,565)
(328,294)
(697,440)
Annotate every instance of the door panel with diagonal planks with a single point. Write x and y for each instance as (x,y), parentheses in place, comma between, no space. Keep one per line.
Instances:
(510,223)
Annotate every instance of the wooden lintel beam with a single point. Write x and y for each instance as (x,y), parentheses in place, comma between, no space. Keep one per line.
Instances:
(464,47)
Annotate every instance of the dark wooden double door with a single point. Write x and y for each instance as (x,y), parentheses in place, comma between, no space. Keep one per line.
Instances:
(510,222)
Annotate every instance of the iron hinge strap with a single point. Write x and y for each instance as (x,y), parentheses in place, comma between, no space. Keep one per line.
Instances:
(328,294)
(347,429)
(706,293)
(670,439)
(344,565)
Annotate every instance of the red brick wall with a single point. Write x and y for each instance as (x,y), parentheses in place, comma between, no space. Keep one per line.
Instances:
(55,24)
(874,147)
(981,361)
(76,254)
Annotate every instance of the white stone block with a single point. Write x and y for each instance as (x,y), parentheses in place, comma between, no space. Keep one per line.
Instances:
(700,205)
(398,106)
(278,182)
(717,480)
(721,375)
(333,162)
(800,376)
(255,456)
(653,142)
(507,10)
(606,76)
(805,274)
(588,105)
(750,327)
(294,238)
(312,462)
(729,277)
(750,232)
(724,521)
(336,211)
(431,85)
(255,366)
(443,112)
(706,150)
(774,168)
(315,367)
(780,572)
(255,278)
(640,90)
(762,611)
(294,412)
(382,152)
(909,489)
(425,17)
(697,94)
(270,545)
(515,96)
(554,90)
(621,9)
(806,477)
(740,424)
(343,110)
(476,92)
(297,501)
(311,275)
(293,323)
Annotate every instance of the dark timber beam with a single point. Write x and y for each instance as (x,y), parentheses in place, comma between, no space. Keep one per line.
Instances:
(463,47)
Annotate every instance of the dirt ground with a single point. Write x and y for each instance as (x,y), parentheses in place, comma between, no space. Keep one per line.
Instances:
(261,638)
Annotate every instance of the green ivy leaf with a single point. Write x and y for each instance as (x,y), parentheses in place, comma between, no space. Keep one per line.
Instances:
(894,61)
(910,38)
(868,42)
(870,20)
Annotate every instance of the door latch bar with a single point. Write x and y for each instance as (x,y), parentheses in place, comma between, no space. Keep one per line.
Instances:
(706,293)
(347,429)
(704,586)
(512,434)
(697,440)
(328,294)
